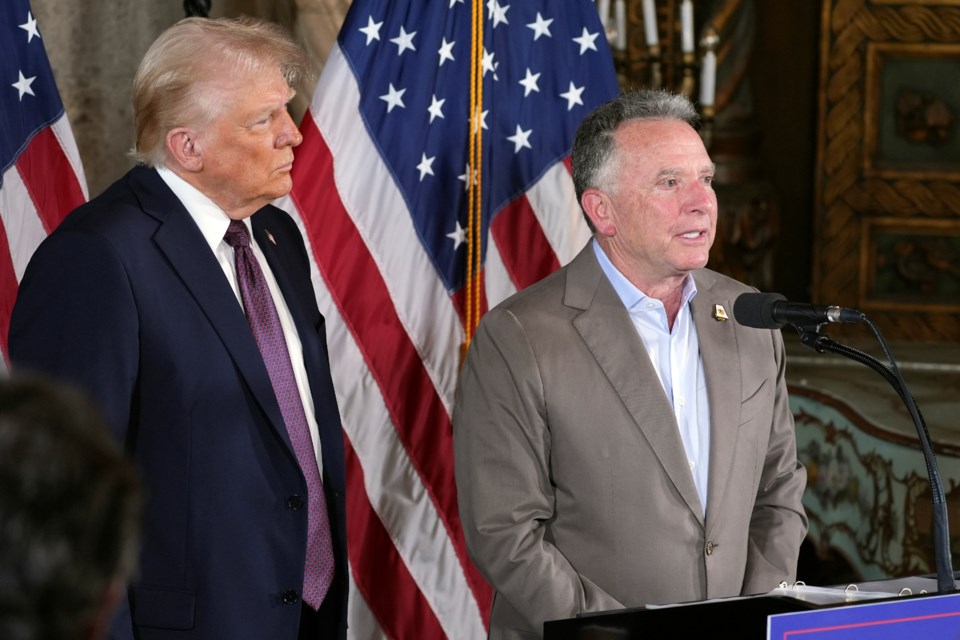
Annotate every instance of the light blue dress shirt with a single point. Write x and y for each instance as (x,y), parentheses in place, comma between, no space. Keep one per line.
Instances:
(675,356)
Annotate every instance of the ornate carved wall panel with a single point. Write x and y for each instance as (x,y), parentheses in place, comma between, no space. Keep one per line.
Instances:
(867,496)
(887,229)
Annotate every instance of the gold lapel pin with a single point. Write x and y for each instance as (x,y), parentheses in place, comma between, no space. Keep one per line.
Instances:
(719,313)
(270,237)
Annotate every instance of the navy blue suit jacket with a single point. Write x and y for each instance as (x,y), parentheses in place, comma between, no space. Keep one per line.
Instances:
(126,300)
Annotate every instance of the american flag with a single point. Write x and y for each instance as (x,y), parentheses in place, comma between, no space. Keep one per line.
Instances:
(381,192)
(41,178)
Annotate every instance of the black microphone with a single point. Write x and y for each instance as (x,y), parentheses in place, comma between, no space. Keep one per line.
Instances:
(772,311)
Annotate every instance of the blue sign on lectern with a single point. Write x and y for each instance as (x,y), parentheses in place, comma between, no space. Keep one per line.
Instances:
(921,617)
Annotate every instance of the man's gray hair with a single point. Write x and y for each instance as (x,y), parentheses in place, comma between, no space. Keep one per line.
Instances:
(593,146)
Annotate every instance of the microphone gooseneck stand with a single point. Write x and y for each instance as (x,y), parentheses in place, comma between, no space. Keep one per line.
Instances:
(811,337)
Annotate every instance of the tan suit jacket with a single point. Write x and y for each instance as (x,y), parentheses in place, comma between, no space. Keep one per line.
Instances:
(574,489)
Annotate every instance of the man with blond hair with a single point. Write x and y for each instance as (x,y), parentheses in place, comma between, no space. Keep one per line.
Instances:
(181,300)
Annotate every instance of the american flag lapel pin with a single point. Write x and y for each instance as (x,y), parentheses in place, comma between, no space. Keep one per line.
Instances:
(270,237)
(719,313)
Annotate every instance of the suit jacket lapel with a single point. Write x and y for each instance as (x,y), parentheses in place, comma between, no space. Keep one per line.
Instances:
(606,328)
(283,250)
(280,253)
(182,243)
(721,367)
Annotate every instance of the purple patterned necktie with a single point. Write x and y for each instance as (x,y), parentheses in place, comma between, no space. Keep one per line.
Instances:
(265,324)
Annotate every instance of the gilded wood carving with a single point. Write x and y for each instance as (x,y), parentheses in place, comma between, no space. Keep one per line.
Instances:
(887,223)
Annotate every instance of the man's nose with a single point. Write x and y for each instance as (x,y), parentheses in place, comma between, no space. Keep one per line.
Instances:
(701,198)
(289,133)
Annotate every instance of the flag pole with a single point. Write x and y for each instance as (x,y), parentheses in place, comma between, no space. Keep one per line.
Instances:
(199,8)
(474,173)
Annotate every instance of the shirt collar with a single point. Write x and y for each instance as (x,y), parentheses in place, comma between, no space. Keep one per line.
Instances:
(629,294)
(210,218)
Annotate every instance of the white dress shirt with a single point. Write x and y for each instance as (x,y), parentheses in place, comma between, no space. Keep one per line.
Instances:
(213,223)
(675,356)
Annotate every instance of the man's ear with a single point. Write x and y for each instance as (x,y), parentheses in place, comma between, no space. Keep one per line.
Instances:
(599,209)
(184,148)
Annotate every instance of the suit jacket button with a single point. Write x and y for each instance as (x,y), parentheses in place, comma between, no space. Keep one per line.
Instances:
(709,548)
(295,503)
(290,597)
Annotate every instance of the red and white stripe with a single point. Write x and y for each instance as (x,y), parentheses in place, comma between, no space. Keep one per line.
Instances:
(44,184)
(395,335)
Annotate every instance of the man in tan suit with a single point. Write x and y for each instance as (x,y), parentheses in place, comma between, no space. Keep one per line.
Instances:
(619,441)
